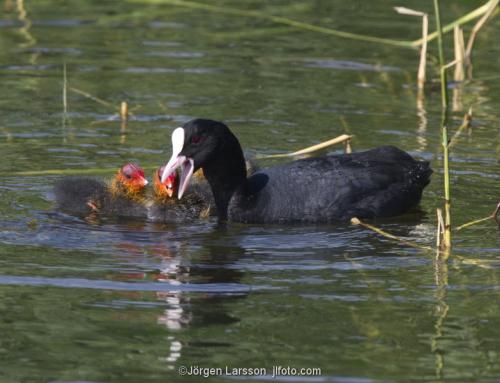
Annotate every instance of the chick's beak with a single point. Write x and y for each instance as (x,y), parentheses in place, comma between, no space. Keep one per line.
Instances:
(187,167)
(142,181)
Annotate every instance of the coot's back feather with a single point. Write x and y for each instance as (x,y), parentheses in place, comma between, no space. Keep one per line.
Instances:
(377,183)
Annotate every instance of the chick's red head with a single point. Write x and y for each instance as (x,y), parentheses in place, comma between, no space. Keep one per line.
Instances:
(132,177)
(167,188)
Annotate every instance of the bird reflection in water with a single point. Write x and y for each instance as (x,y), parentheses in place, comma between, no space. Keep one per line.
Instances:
(203,261)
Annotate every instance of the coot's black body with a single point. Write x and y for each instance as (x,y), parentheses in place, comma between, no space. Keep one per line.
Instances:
(381,182)
(85,195)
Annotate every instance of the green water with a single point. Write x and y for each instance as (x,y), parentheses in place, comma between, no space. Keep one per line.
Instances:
(133,301)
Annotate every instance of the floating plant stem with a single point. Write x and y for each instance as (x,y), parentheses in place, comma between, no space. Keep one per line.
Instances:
(277,20)
(357,221)
(337,140)
(493,216)
(316,28)
(93,98)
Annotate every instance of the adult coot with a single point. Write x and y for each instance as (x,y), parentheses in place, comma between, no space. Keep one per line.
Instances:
(380,182)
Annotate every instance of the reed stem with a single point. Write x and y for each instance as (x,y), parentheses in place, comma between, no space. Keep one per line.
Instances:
(491,7)
(65,90)
(446,243)
(460,21)
(423,49)
(124,111)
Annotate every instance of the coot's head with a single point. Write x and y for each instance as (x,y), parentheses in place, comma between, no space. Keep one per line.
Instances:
(131,176)
(168,188)
(195,145)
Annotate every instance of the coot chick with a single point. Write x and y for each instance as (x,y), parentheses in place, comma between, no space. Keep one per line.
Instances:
(167,208)
(123,197)
(380,182)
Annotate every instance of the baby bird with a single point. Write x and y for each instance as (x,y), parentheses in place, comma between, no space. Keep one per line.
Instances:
(166,207)
(124,197)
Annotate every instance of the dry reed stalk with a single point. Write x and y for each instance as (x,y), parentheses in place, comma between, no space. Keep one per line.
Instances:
(493,216)
(124,111)
(440,228)
(423,49)
(458,39)
(310,149)
(465,125)
(347,146)
(93,98)
(25,29)
(491,7)
(460,21)
(482,263)
(357,221)
(8,6)
(423,52)
(65,90)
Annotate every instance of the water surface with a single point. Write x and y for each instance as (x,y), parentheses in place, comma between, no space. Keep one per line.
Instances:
(126,301)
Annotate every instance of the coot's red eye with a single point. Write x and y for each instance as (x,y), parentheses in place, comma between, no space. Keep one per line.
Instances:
(195,139)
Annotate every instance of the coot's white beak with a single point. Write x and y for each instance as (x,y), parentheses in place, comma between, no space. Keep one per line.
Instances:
(186,164)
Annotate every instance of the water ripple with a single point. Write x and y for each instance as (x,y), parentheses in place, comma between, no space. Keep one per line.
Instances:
(128,286)
(349,65)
